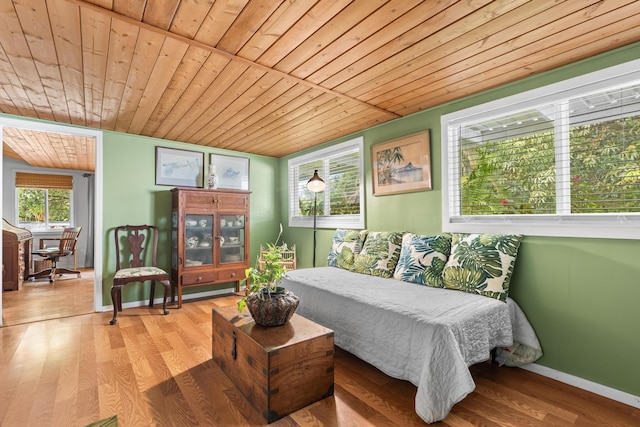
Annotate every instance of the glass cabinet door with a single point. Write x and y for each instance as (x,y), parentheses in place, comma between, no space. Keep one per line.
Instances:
(199,247)
(232,238)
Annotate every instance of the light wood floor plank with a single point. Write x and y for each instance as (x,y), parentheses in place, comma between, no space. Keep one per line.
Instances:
(155,370)
(40,300)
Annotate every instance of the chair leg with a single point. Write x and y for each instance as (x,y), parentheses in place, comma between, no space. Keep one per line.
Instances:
(62,270)
(42,273)
(54,269)
(116,299)
(152,293)
(167,286)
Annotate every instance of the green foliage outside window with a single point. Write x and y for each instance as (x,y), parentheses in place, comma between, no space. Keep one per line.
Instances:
(31,205)
(339,204)
(343,196)
(605,168)
(343,187)
(306,203)
(518,175)
(509,176)
(34,204)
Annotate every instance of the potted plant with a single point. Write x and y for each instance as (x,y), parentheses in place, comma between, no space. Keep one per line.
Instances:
(268,303)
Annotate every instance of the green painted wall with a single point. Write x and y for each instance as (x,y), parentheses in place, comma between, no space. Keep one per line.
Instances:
(130,196)
(581,295)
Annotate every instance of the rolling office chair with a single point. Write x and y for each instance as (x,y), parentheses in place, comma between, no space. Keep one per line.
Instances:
(66,247)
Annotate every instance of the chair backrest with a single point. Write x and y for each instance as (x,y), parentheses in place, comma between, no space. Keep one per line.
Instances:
(69,239)
(134,250)
(288,258)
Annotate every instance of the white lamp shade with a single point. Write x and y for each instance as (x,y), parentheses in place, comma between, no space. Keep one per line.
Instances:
(316,184)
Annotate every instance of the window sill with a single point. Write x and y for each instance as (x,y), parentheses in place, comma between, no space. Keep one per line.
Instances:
(346,221)
(604,227)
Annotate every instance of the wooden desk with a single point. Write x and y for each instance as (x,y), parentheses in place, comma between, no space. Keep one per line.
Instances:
(16,256)
(279,369)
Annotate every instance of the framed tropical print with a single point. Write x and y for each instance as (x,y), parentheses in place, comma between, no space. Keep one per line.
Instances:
(180,168)
(402,165)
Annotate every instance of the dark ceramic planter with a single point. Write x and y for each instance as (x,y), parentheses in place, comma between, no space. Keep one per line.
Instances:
(272,310)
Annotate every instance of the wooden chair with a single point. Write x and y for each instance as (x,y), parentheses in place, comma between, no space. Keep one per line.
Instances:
(66,246)
(134,267)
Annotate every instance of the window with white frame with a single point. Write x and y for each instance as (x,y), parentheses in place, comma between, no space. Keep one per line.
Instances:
(562,160)
(341,204)
(44,201)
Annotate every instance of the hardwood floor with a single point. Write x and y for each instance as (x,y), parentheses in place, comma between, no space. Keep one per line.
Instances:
(155,370)
(41,300)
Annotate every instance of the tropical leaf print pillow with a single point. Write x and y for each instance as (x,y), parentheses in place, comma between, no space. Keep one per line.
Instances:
(344,248)
(482,264)
(422,259)
(380,254)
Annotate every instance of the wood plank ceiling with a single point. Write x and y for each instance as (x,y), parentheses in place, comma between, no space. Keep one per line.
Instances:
(273,77)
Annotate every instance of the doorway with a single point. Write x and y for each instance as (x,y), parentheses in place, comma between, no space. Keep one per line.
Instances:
(39,300)
(39,296)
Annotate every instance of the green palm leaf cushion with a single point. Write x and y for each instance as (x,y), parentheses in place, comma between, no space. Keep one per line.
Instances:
(344,248)
(380,254)
(482,264)
(422,259)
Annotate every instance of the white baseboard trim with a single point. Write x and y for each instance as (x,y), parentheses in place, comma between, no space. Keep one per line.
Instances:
(602,390)
(185,297)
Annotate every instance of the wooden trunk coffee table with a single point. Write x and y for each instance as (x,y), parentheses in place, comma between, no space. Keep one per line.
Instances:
(279,369)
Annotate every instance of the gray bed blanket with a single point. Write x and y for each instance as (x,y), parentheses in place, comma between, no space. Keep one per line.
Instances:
(428,336)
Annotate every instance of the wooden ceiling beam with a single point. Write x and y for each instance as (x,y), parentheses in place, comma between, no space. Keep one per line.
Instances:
(230,56)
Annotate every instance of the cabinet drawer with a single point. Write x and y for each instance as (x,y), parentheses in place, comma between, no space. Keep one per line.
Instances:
(217,201)
(200,200)
(233,201)
(233,275)
(199,278)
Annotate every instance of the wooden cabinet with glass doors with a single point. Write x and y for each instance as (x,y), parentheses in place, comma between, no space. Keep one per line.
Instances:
(209,238)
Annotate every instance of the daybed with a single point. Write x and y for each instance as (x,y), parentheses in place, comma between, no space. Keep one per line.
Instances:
(424,334)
